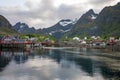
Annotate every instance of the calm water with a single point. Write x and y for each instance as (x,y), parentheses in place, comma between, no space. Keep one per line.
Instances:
(59,64)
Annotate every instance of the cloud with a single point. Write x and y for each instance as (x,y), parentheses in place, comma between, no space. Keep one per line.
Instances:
(45,13)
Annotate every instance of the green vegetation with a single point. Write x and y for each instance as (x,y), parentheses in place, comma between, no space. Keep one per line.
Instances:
(7,31)
(6,27)
(107,23)
(39,37)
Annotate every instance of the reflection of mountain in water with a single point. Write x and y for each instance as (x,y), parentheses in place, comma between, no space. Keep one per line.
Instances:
(5,58)
(20,57)
(88,65)
(84,59)
(7,55)
(58,56)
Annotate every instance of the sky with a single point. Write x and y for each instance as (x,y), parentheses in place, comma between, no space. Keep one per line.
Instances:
(46,13)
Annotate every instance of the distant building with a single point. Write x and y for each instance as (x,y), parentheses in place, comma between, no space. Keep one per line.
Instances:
(95,37)
(112,38)
(76,38)
(85,38)
(83,42)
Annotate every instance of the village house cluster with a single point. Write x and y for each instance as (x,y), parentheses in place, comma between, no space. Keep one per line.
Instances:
(93,41)
(27,41)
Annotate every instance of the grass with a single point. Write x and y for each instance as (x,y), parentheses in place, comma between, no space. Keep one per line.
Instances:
(7,31)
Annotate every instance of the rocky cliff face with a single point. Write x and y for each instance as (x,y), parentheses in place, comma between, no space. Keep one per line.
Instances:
(24,28)
(88,17)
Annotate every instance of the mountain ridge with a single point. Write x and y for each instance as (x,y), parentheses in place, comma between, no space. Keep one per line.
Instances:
(106,23)
(6,27)
(59,29)
(23,28)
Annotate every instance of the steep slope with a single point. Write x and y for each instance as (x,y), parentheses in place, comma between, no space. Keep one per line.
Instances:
(88,17)
(85,25)
(106,23)
(5,26)
(23,28)
(59,29)
(109,20)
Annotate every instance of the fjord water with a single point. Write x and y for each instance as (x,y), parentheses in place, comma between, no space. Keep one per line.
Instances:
(59,64)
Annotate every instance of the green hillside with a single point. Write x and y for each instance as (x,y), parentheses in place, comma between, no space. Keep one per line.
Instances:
(5,27)
(7,31)
(107,23)
(109,20)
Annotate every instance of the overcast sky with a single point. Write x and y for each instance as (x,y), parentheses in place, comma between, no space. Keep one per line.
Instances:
(45,13)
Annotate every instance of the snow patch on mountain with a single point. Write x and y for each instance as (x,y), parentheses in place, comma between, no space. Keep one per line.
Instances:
(21,26)
(93,17)
(65,23)
(67,30)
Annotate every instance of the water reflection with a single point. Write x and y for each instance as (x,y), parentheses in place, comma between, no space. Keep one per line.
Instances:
(5,58)
(63,64)
(20,57)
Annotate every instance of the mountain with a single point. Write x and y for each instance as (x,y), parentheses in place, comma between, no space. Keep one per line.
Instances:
(59,29)
(107,22)
(88,17)
(23,28)
(5,26)
(85,25)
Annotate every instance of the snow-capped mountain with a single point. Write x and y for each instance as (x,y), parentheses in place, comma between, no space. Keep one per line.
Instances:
(88,17)
(60,28)
(90,23)
(85,25)
(106,23)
